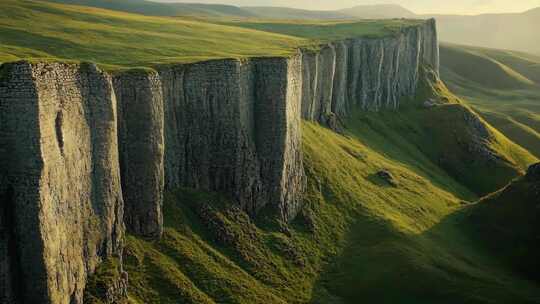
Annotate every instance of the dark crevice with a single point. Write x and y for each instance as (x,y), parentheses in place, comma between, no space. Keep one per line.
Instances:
(59,135)
(8,214)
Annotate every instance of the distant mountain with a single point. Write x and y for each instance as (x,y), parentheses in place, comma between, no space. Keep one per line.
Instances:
(382,11)
(163,9)
(517,31)
(293,13)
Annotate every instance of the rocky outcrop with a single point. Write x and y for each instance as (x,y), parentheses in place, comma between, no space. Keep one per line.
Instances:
(72,159)
(141,146)
(62,199)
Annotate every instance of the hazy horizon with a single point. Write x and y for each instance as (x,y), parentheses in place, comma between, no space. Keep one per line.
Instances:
(467,7)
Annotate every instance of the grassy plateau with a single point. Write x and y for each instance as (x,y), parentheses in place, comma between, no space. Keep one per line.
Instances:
(43,30)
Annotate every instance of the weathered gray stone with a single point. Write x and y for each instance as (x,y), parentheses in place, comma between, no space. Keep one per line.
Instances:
(61,180)
(141,146)
(370,74)
(233,126)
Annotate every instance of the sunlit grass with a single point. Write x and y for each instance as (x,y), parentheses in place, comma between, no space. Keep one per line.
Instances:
(35,30)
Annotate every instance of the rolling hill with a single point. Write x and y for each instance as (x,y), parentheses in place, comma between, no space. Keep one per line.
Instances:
(69,32)
(513,213)
(381,11)
(270,12)
(513,31)
(503,86)
(151,8)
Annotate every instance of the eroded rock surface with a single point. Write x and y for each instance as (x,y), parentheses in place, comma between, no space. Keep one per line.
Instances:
(141,146)
(368,74)
(233,126)
(61,182)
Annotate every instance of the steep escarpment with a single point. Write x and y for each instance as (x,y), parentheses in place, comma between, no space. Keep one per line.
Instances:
(369,74)
(62,199)
(232,127)
(141,148)
(80,146)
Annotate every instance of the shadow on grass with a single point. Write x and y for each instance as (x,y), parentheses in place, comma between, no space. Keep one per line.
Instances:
(379,264)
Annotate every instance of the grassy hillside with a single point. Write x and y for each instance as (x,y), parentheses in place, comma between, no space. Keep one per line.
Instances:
(380,11)
(328,30)
(450,135)
(36,30)
(504,95)
(508,222)
(151,8)
(515,31)
(268,12)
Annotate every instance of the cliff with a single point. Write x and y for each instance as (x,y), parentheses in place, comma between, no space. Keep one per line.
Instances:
(79,146)
(368,74)
(141,147)
(61,194)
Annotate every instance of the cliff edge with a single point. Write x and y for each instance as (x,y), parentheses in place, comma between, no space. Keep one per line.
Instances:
(79,146)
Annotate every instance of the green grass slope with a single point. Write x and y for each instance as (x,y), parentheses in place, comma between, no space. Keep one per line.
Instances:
(327,30)
(507,103)
(40,30)
(163,9)
(481,68)
(272,12)
(449,135)
(508,222)
(35,29)
(379,11)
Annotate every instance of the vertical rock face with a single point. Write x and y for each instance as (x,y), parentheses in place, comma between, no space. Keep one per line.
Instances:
(278,137)
(368,74)
(61,185)
(228,128)
(140,130)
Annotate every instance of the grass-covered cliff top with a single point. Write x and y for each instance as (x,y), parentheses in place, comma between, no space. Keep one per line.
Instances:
(38,30)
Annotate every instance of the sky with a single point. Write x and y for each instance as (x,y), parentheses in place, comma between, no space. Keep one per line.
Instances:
(467,7)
